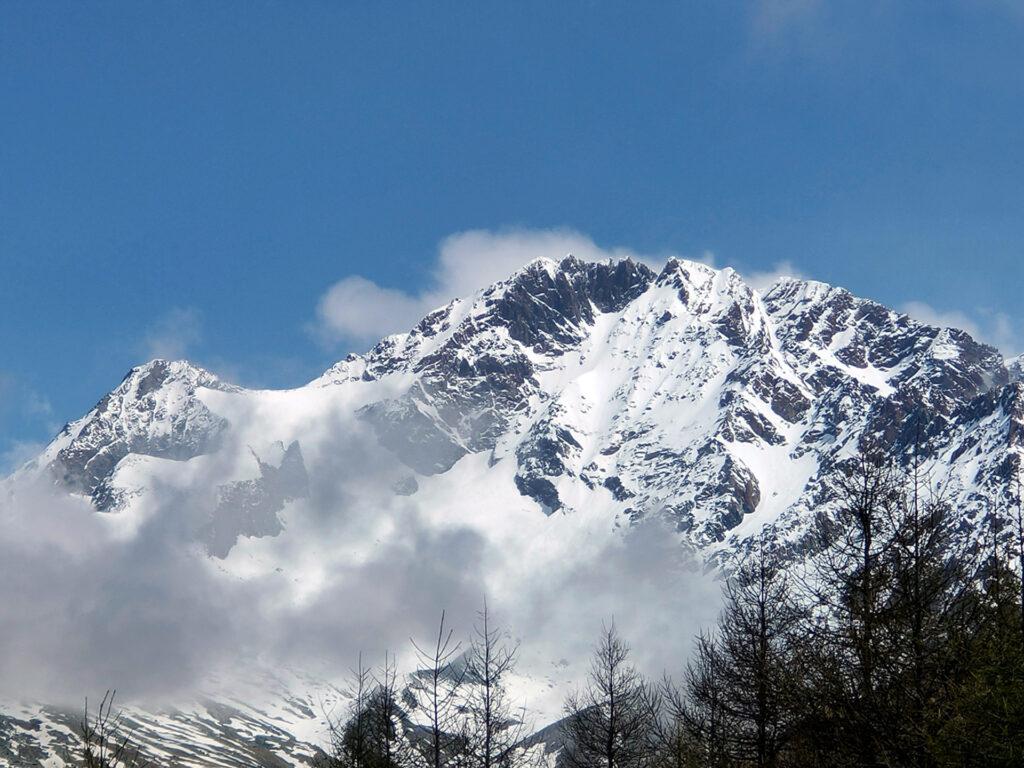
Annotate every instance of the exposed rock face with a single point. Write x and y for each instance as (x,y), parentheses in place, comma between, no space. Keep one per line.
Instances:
(476,369)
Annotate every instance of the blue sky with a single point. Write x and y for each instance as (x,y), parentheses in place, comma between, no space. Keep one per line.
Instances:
(193,178)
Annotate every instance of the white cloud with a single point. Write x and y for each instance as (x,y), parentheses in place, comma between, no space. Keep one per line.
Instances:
(357,310)
(359,570)
(986,325)
(16,453)
(174,334)
(760,281)
(470,260)
(925,313)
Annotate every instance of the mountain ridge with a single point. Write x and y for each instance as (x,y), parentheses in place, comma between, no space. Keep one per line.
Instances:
(575,397)
(798,350)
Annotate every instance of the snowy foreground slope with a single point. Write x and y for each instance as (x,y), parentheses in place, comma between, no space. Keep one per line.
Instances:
(559,441)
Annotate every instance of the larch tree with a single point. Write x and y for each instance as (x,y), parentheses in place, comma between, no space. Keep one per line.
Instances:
(441,683)
(612,721)
(494,728)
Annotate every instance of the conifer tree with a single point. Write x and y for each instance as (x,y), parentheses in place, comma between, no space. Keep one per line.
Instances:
(756,657)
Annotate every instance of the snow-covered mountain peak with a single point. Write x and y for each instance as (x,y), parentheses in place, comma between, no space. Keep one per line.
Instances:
(162,374)
(154,411)
(504,370)
(687,267)
(542,264)
(549,411)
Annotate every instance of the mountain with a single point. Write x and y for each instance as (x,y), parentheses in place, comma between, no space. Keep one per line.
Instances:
(1016,367)
(548,415)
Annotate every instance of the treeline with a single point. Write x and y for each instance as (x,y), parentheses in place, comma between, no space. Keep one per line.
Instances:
(892,644)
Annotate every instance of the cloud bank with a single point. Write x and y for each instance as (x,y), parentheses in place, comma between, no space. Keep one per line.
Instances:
(130,599)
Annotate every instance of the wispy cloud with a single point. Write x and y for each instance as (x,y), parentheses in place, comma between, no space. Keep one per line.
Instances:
(760,280)
(772,19)
(831,34)
(984,324)
(174,334)
(18,452)
(19,398)
(1012,8)
(26,413)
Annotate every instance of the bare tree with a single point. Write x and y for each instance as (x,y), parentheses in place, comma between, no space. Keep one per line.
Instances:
(350,738)
(612,722)
(851,585)
(104,742)
(494,730)
(757,630)
(443,686)
(700,705)
(387,732)
(374,735)
(931,609)
(676,747)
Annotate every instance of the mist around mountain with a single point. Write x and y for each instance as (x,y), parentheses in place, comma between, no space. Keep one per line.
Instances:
(578,443)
